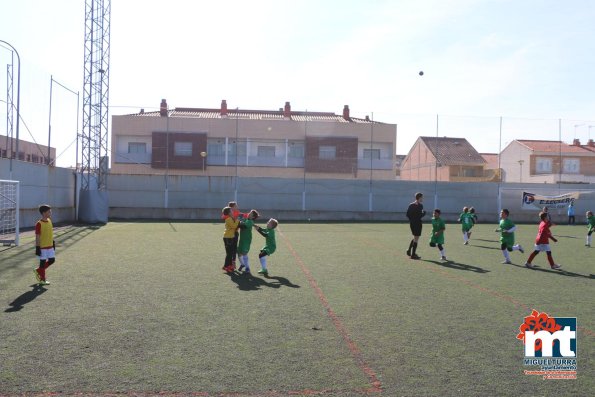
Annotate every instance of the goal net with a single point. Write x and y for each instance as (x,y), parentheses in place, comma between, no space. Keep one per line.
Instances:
(9,212)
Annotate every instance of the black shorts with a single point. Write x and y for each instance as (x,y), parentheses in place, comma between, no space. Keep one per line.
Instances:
(415,228)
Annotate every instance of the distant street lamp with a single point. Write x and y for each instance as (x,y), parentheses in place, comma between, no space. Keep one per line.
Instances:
(521,166)
(203,155)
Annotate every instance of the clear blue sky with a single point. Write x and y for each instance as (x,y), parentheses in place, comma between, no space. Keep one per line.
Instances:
(530,61)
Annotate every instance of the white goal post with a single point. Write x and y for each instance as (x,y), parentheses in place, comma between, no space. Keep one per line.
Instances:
(9,212)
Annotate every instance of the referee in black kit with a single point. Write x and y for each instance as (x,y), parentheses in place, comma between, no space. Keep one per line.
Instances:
(415,212)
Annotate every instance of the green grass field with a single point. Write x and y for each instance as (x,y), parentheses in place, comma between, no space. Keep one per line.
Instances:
(144,309)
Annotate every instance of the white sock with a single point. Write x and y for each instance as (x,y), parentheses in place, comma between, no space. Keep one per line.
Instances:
(246,262)
(442,252)
(516,247)
(465,237)
(241,259)
(589,239)
(506,255)
(263,262)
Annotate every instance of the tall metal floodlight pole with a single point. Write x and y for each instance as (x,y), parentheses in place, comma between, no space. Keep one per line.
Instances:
(18,99)
(94,135)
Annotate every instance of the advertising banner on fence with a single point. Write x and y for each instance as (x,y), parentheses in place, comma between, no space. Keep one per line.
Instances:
(537,201)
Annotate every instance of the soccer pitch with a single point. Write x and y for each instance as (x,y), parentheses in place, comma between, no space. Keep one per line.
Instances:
(143,309)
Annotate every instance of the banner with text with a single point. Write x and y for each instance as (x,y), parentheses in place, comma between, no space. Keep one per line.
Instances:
(533,201)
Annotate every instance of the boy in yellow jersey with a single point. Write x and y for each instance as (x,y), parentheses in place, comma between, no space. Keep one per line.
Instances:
(229,239)
(45,247)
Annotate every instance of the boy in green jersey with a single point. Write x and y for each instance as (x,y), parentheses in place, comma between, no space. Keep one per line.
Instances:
(466,219)
(506,230)
(437,238)
(591,227)
(270,245)
(246,240)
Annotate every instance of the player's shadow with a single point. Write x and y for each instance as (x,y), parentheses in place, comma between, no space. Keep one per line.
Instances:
(460,266)
(29,296)
(486,247)
(283,281)
(560,272)
(254,283)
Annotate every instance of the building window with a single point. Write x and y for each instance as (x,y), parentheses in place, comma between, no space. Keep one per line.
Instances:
(327,152)
(373,154)
(239,147)
(215,150)
(296,150)
(183,149)
(137,147)
(266,151)
(468,172)
(571,166)
(543,165)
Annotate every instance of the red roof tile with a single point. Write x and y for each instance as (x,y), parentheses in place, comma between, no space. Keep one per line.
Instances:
(256,115)
(552,146)
(451,151)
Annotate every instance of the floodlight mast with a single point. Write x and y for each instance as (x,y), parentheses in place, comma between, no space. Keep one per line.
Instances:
(94,135)
(18,100)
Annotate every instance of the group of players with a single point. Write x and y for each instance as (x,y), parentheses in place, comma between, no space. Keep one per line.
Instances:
(506,228)
(237,239)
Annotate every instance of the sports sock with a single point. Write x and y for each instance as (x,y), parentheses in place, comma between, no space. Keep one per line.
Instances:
(506,255)
(41,268)
(414,248)
(550,259)
(589,240)
(516,247)
(442,252)
(246,262)
(241,259)
(465,237)
(263,262)
(532,256)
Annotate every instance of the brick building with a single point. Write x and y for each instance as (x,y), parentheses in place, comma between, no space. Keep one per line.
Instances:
(445,159)
(540,161)
(276,143)
(28,151)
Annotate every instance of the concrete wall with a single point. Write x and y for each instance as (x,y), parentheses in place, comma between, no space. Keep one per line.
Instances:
(195,197)
(199,197)
(41,184)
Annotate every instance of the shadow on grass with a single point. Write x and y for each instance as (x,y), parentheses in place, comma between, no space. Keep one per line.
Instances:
(13,256)
(253,283)
(573,237)
(486,247)
(29,296)
(486,240)
(459,266)
(560,272)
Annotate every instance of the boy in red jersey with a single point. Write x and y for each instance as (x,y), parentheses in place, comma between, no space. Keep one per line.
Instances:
(542,242)
(45,247)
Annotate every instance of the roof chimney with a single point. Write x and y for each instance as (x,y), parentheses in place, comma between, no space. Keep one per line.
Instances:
(576,142)
(346,113)
(223,107)
(163,108)
(367,117)
(590,143)
(142,111)
(287,110)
